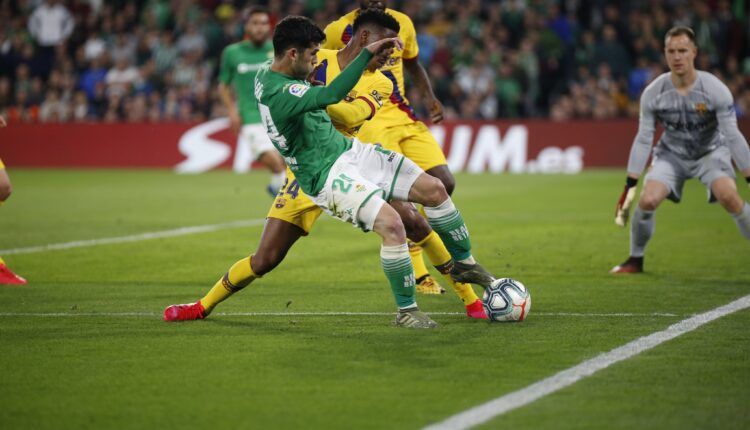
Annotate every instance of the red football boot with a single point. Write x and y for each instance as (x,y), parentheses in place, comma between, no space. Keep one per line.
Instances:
(9,278)
(631,265)
(185,312)
(476,310)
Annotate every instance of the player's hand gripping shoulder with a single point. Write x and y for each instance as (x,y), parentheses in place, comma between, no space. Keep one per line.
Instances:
(622,211)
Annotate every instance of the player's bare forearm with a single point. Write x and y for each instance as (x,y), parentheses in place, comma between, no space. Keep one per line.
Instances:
(226,96)
(422,81)
(419,77)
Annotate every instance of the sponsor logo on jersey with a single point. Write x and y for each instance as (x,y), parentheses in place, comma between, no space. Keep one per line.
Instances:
(280,202)
(246,68)
(359,188)
(378,98)
(298,90)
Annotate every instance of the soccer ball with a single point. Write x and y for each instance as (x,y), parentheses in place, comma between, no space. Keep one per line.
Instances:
(506,300)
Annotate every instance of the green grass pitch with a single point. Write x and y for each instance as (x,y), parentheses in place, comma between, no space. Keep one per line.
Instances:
(554,233)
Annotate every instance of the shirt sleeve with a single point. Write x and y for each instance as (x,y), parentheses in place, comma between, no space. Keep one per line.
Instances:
(298,98)
(643,141)
(727,119)
(354,113)
(226,71)
(68,24)
(34,24)
(411,48)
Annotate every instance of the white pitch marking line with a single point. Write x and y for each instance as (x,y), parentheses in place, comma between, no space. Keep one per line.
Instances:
(182,231)
(307,314)
(508,402)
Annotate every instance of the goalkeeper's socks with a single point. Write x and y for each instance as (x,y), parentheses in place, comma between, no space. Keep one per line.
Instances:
(238,277)
(641,229)
(398,269)
(449,225)
(441,259)
(743,220)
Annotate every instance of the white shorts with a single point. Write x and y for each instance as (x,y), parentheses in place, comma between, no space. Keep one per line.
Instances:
(362,180)
(252,142)
(673,171)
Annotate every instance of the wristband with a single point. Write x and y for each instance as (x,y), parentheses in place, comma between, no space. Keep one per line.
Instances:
(632,182)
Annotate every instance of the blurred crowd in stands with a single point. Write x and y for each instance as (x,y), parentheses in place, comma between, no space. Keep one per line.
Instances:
(157,60)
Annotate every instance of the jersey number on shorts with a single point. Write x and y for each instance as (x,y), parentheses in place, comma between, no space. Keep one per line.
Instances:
(291,189)
(339,184)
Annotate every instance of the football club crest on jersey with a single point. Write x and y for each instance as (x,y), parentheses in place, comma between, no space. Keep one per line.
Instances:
(701,108)
(280,203)
(298,90)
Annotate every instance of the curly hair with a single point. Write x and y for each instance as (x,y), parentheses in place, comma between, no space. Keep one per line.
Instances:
(376,17)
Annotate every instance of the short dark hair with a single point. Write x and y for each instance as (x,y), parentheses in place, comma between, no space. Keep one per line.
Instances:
(375,17)
(255,9)
(680,30)
(295,32)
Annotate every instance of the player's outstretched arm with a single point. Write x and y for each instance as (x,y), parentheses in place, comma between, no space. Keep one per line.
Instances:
(348,78)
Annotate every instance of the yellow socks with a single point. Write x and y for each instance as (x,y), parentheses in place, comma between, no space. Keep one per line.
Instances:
(415,252)
(1,260)
(239,276)
(441,259)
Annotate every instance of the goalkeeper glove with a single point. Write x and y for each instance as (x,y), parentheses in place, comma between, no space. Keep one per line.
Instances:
(622,211)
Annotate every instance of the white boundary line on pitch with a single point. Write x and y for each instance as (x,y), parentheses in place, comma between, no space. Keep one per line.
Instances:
(182,231)
(508,402)
(308,314)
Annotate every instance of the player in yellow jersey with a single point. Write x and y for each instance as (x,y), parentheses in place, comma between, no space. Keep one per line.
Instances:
(6,275)
(293,214)
(396,127)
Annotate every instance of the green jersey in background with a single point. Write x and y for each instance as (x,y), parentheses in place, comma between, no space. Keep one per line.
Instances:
(240,63)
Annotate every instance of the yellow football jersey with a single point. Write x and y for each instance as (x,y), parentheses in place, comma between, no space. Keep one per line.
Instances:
(373,88)
(398,111)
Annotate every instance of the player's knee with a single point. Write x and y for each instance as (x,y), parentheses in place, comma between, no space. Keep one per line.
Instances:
(266,261)
(416,227)
(390,226)
(435,193)
(450,184)
(649,202)
(445,176)
(730,200)
(5,190)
